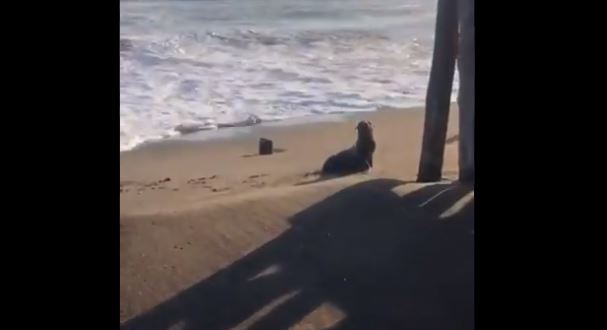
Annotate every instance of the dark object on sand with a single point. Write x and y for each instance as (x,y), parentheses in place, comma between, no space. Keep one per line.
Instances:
(265,146)
(358,158)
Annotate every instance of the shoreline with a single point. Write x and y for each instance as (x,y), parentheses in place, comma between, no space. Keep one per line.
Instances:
(241,132)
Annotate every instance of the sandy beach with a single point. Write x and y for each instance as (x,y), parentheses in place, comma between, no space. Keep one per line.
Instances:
(214,236)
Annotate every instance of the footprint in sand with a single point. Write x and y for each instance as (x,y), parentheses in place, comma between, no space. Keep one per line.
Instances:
(253,180)
(140,186)
(310,177)
(124,186)
(313,173)
(202,180)
(157,184)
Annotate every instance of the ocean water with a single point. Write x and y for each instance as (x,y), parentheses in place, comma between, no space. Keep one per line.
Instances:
(205,63)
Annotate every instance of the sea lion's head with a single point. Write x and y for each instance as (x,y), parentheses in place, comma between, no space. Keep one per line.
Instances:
(365,128)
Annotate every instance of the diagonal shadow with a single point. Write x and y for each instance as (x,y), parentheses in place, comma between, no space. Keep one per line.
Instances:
(387,262)
(452,139)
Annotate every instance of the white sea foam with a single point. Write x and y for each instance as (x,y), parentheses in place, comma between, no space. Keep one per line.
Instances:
(203,63)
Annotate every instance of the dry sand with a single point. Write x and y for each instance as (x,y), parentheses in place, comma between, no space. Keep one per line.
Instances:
(215,237)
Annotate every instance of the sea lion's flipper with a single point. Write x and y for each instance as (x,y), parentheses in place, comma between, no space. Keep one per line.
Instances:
(329,166)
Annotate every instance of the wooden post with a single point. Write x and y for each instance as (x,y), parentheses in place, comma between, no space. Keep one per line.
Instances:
(438,96)
(466,69)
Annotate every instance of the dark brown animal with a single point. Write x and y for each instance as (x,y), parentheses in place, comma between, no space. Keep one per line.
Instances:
(358,158)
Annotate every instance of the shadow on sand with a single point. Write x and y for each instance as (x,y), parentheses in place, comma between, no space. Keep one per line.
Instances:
(452,139)
(385,261)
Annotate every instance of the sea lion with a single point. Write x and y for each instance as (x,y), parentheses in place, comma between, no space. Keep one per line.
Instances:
(358,158)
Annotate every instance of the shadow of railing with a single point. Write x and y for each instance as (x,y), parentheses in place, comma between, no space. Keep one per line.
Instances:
(386,261)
